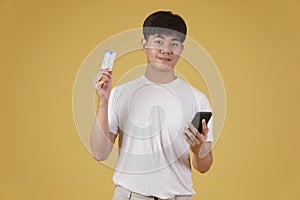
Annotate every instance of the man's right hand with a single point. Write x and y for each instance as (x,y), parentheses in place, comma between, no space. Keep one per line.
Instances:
(102,83)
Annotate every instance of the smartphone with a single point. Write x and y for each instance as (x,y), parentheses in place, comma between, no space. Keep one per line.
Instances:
(197,120)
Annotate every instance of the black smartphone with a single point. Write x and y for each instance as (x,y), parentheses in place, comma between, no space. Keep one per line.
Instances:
(197,120)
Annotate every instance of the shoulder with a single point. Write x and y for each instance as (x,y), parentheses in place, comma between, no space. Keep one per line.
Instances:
(199,96)
(197,93)
(123,88)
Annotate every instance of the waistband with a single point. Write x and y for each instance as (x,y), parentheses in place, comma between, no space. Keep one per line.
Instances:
(133,195)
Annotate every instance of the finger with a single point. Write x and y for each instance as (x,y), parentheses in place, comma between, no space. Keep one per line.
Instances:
(187,138)
(188,135)
(99,74)
(96,81)
(196,142)
(104,85)
(104,81)
(97,78)
(105,77)
(193,129)
(107,69)
(100,84)
(108,73)
(192,140)
(190,132)
(109,79)
(204,127)
(201,138)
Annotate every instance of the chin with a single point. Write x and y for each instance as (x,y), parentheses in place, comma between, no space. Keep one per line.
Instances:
(162,67)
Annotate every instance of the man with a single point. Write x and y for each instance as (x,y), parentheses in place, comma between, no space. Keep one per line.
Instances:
(152,116)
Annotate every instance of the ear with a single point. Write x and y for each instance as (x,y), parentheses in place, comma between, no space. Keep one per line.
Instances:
(143,44)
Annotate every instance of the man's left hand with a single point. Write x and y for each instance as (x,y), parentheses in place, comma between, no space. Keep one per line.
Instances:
(194,138)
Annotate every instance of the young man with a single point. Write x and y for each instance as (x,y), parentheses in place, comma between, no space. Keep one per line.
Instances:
(152,116)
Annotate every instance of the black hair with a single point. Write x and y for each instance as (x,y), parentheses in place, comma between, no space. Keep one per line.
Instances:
(164,22)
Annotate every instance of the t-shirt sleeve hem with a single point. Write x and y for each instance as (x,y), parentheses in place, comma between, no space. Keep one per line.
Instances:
(113,132)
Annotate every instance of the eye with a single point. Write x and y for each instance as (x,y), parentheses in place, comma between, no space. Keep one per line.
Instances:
(174,44)
(158,42)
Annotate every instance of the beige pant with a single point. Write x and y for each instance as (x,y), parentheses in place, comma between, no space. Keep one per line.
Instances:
(124,194)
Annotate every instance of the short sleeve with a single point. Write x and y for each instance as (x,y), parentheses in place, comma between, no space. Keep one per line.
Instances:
(113,119)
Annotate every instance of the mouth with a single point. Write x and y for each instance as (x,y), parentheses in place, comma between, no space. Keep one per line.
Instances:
(164,59)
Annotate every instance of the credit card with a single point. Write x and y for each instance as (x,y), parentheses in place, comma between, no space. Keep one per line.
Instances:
(108,59)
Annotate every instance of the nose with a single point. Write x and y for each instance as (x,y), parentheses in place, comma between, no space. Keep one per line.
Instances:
(165,51)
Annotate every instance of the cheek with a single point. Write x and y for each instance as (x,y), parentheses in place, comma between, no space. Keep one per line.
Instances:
(150,57)
(152,53)
(176,58)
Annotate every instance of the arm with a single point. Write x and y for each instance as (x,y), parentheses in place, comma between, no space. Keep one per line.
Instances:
(203,162)
(101,139)
(202,153)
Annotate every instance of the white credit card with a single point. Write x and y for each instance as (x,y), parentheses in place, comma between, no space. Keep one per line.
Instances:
(108,59)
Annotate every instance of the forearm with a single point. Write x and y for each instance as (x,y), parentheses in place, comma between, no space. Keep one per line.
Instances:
(101,141)
(204,159)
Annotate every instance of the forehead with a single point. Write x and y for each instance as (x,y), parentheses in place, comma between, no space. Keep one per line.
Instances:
(165,37)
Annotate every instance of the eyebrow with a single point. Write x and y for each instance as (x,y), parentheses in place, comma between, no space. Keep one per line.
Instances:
(173,39)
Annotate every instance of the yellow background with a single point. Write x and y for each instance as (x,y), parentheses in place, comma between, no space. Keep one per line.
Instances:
(255,45)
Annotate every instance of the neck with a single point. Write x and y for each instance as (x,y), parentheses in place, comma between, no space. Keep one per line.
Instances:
(159,76)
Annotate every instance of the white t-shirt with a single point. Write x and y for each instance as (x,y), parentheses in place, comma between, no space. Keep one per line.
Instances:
(154,157)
